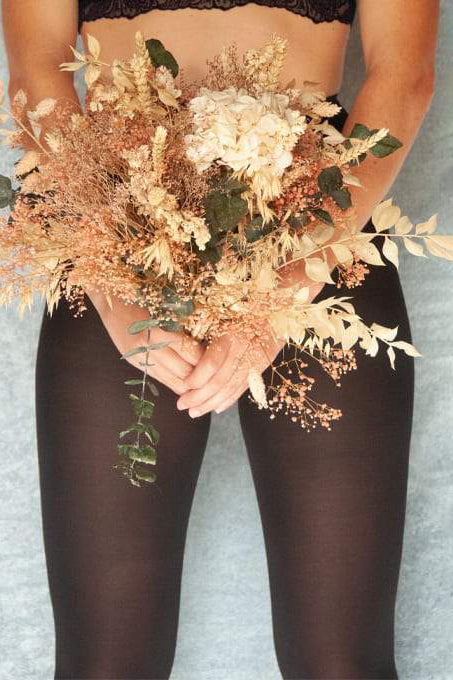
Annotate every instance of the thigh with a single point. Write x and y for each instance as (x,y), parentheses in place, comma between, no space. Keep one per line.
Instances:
(114,551)
(332,504)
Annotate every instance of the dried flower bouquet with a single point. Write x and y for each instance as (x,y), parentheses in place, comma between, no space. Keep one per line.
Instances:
(189,201)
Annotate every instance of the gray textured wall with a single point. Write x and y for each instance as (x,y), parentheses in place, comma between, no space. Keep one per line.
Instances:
(225,625)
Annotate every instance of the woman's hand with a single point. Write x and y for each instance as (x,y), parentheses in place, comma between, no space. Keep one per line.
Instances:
(171,365)
(221,375)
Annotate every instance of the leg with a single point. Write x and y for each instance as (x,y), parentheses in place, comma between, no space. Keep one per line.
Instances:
(332,506)
(114,551)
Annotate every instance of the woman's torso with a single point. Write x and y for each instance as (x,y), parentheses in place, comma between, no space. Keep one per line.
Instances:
(315,52)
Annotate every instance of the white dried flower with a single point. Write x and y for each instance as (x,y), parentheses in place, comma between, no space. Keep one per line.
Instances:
(253,136)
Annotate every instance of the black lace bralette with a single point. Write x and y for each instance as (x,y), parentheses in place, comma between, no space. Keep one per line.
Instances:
(317,10)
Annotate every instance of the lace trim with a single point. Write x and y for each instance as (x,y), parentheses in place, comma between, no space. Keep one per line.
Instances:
(316,10)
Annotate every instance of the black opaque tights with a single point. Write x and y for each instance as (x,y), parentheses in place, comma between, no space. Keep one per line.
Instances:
(332,506)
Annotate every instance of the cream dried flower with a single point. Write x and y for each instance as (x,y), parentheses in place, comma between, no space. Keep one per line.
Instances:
(253,136)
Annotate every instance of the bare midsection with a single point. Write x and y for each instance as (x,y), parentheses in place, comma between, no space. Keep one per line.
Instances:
(315,51)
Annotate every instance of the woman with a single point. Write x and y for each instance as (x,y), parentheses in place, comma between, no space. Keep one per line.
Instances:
(332,504)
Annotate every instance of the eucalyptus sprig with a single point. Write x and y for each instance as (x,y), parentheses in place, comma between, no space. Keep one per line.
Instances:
(138,455)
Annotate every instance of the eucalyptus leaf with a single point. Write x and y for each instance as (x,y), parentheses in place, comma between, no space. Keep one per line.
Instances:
(322,215)
(143,454)
(330,179)
(6,192)
(142,324)
(145,475)
(360,131)
(386,146)
(170,325)
(160,56)
(210,254)
(144,348)
(342,198)
(223,211)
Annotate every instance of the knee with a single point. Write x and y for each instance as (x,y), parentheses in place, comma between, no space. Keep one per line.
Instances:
(114,666)
(328,665)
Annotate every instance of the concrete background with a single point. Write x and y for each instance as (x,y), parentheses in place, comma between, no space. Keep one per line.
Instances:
(225,624)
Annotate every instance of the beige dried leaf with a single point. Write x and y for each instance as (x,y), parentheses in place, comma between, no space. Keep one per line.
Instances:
(350,337)
(342,253)
(414,248)
(317,270)
(383,332)
(428,227)
(92,74)
(94,47)
(352,180)
(390,250)
(167,98)
(403,226)
(322,233)
(407,348)
(368,253)
(391,354)
(71,65)
(440,245)
(385,215)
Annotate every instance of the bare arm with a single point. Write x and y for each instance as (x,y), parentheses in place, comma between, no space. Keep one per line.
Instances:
(399,41)
(37,38)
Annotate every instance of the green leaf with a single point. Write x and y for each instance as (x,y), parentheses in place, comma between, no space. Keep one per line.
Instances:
(386,146)
(136,427)
(255,229)
(330,179)
(134,381)
(210,254)
(144,349)
(342,198)
(145,475)
(297,222)
(143,454)
(170,325)
(160,56)
(152,434)
(6,192)
(359,160)
(360,131)
(153,389)
(322,215)
(141,325)
(143,408)
(234,186)
(125,448)
(172,302)
(223,211)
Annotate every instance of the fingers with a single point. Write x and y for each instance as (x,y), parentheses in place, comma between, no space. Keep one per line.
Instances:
(188,348)
(170,360)
(232,400)
(227,395)
(171,356)
(167,378)
(210,363)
